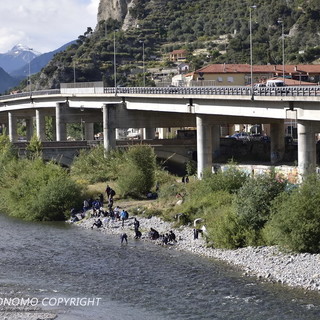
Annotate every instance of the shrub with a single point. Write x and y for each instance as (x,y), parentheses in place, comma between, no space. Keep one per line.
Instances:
(137,175)
(295,218)
(229,180)
(253,203)
(34,190)
(97,166)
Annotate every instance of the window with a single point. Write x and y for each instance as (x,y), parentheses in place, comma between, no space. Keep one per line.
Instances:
(220,79)
(230,79)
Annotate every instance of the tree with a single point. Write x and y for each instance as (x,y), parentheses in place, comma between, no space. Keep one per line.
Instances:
(295,218)
(253,204)
(137,176)
(34,148)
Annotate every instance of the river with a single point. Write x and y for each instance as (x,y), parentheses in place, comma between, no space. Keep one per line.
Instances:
(51,261)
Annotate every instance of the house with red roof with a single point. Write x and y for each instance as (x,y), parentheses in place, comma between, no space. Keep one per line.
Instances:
(178,55)
(240,74)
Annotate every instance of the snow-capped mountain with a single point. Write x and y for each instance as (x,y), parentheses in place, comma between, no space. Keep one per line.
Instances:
(17,57)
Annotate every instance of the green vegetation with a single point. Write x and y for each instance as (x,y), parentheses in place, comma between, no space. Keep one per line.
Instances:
(295,218)
(137,175)
(95,166)
(238,210)
(38,191)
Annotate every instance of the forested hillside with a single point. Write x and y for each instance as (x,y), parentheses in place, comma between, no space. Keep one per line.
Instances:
(219,28)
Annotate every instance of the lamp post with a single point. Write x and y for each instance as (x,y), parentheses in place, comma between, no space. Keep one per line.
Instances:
(282,39)
(251,55)
(29,80)
(114,60)
(143,64)
(74,71)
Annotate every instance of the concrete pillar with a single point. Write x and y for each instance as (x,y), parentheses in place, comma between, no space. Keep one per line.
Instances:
(118,135)
(54,129)
(109,137)
(149,133)
(88,131)
(306,147)
(12,122)
(204,145)
(277,142)
(163,133)
(215,141)
(29,128)
(40,125)
(61,134)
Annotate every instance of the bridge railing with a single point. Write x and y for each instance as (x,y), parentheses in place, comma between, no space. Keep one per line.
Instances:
(214,90)
(29,94)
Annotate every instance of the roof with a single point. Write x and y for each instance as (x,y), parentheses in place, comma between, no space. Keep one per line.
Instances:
(291,82)
(181,51)
(246,68)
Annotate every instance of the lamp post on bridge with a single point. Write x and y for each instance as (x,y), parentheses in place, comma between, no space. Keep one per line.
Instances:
(29,64)
(282,39)
(143,64)
(115,60)
(251,55)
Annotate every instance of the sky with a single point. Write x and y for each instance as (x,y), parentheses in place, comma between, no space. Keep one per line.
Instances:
(44,25)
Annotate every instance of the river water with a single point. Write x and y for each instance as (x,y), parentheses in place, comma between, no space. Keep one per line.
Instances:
(51,261)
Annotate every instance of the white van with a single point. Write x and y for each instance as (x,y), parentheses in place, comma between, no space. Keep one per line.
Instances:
(275,83)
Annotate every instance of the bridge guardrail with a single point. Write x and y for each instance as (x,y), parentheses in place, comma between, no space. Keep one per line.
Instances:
(214,90)
(29,94)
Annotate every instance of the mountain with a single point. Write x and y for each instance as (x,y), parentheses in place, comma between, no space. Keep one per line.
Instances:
(17,57)
(37,63)
(210,31)
(6,81)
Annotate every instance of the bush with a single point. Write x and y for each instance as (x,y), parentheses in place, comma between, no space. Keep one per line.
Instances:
(137,175)
(295,218)
(229,180)
(96,166)
(34,190)
(253,203)
(226,231)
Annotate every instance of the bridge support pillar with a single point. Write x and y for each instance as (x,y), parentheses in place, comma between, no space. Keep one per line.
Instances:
(61,133)
(12,122)
(109,136)
(29,128)
(40,125)
(306,147)
(216,141)
(277,142)
(88,131)
(149,133)
(204,145)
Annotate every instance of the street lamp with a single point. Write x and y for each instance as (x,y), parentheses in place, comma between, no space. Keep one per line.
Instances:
(251,58)
(74,71)
(29,54)
(114,60)
(282,38)
(143,64)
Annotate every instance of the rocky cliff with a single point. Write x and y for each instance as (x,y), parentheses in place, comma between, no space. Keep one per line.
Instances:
(117,10)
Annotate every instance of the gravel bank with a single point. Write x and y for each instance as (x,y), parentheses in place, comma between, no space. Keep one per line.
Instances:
(269,263)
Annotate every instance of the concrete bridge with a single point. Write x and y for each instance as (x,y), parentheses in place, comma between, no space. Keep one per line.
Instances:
(149,108)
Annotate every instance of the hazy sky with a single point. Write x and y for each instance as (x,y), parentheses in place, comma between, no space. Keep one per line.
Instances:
(44,25)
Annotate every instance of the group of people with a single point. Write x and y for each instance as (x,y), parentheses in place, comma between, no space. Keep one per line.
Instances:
(167,238)
(106,217)
(112,214)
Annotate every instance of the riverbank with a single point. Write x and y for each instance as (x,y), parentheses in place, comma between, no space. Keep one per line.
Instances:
(265,263)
